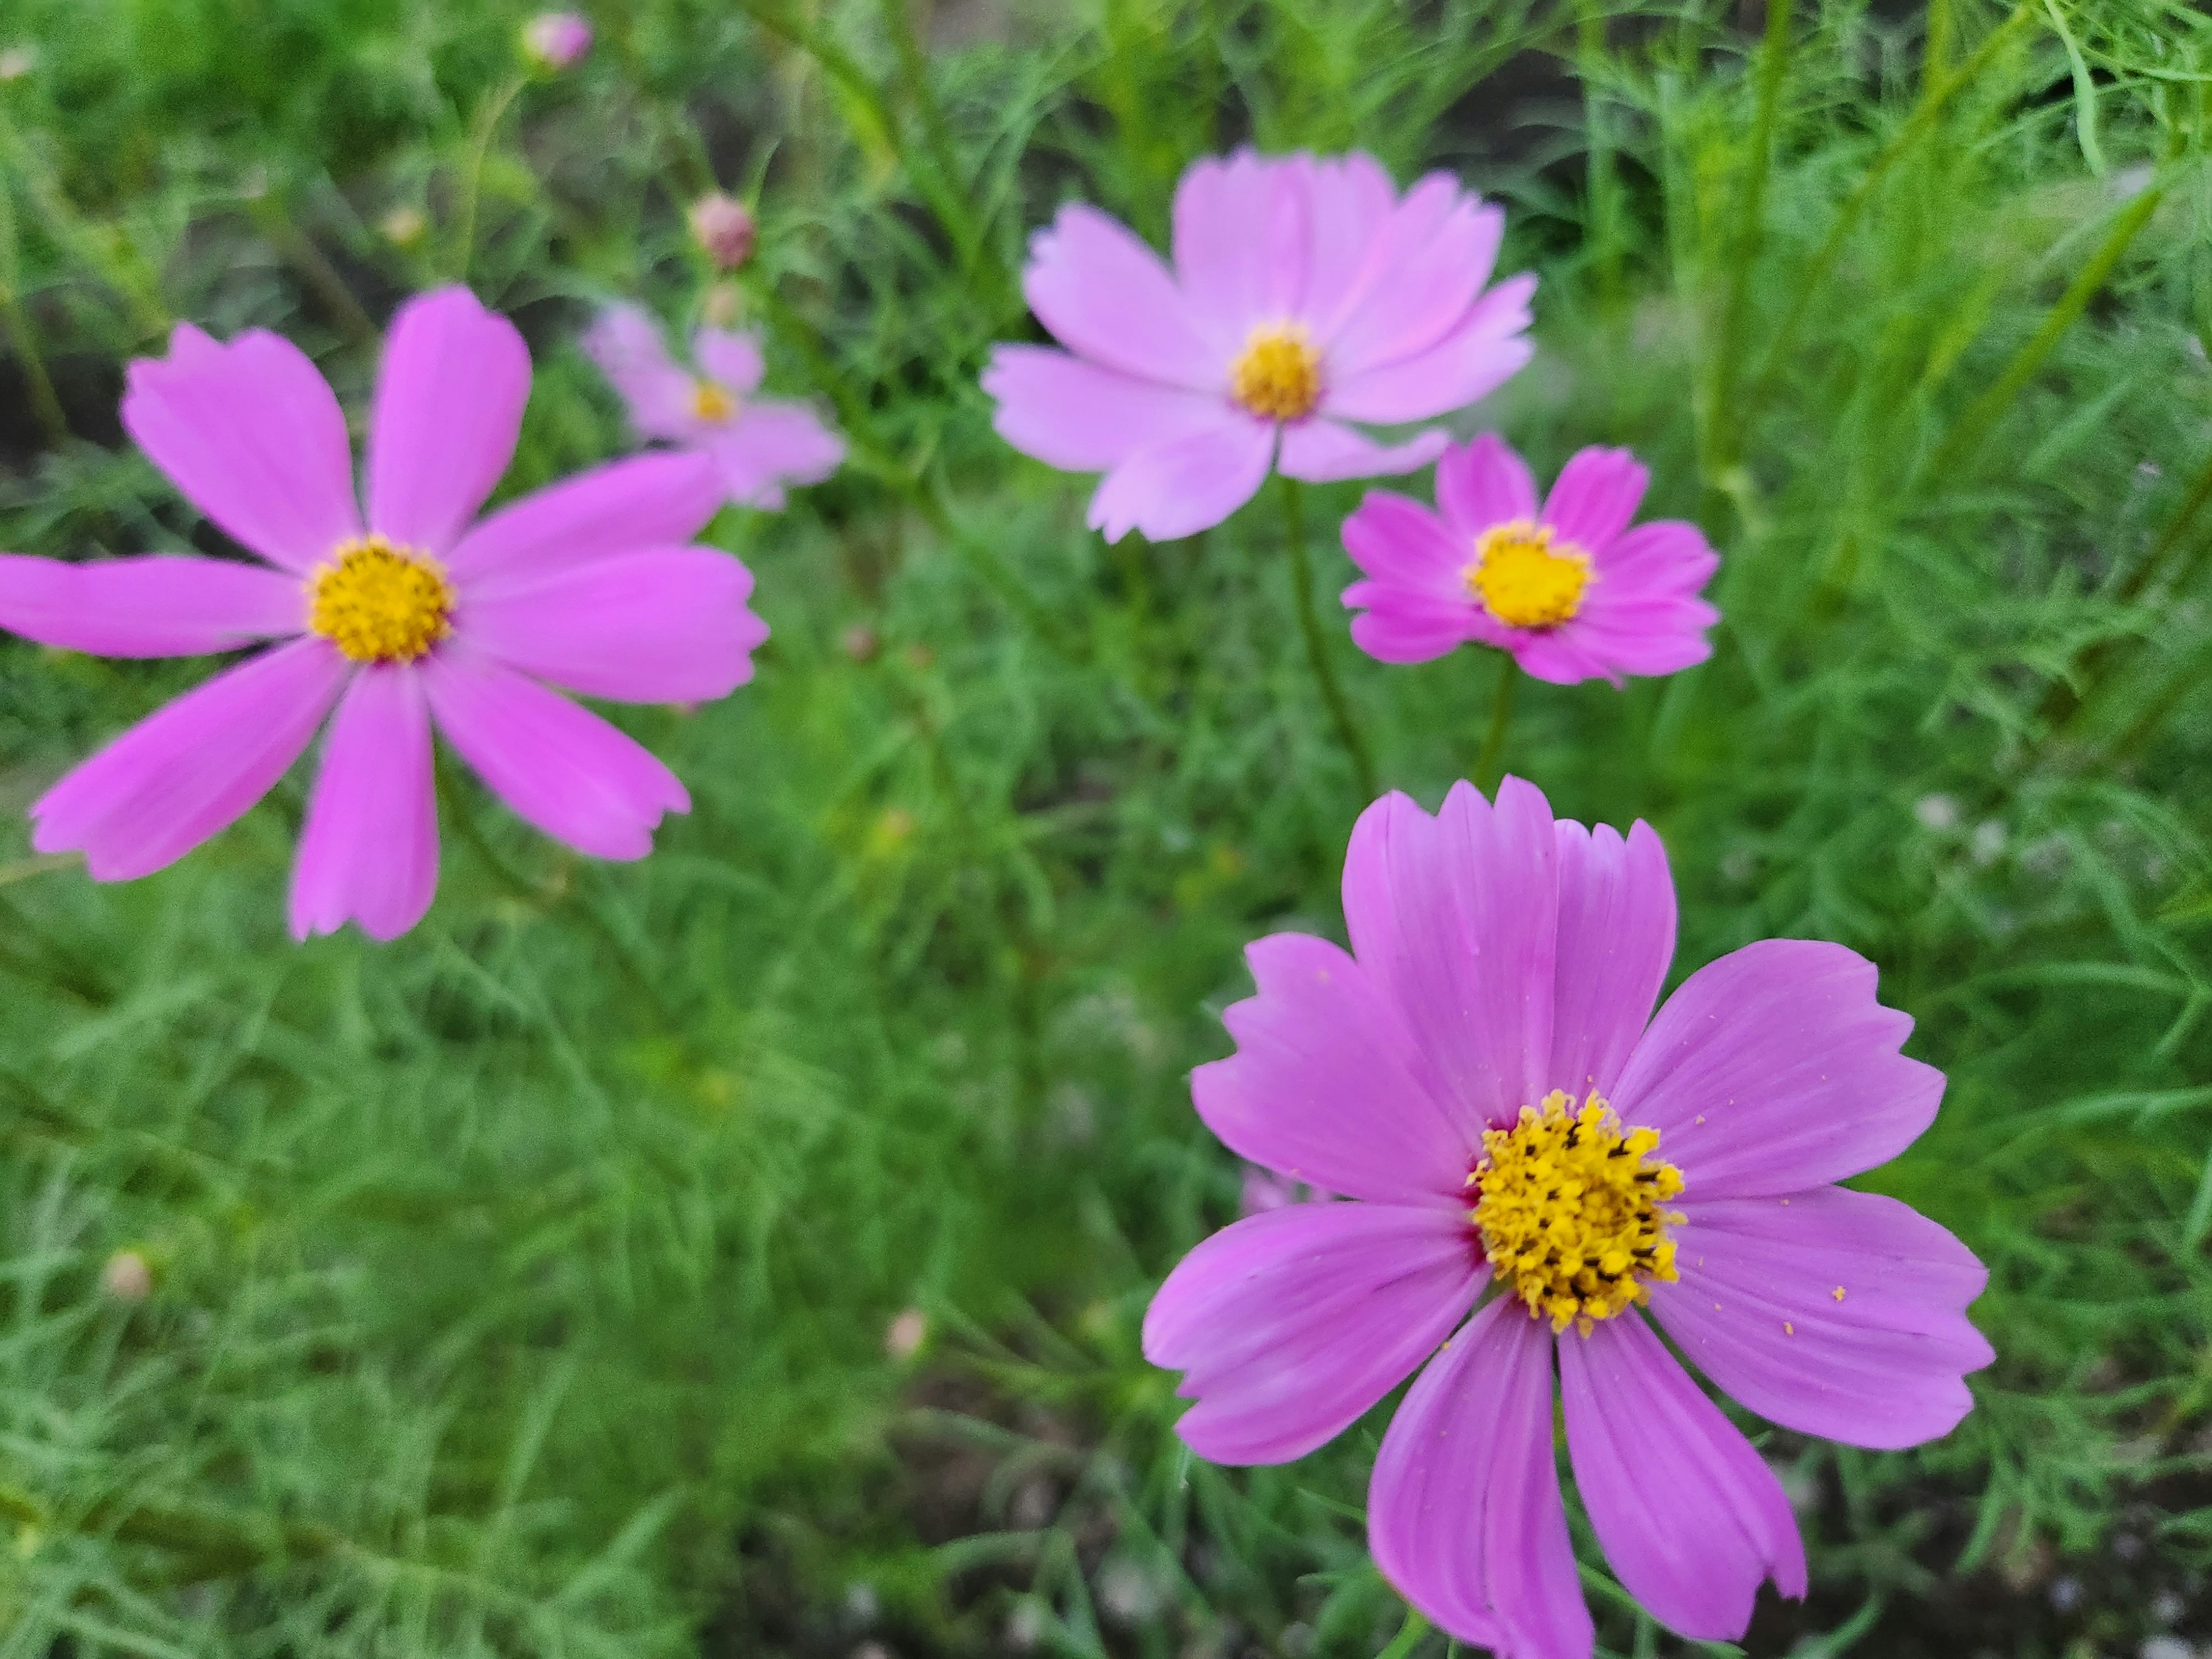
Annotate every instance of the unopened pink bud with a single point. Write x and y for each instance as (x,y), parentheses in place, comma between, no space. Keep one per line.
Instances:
(723,226)
(555,39)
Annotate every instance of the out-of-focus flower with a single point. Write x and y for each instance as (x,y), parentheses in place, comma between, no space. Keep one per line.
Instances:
(1567,587)
(723,226)
(554,40)
(904,1335)
(726,304)
(16,62)
(860,643)
(127,1277)
(412,612)
(1517,1117)
(1307,297)
(404,226)
(758,444)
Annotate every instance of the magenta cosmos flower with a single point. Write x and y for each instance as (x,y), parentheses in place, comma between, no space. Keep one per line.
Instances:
(1567,587)
(412,612)
(1306,295)
(555,39)
(1484,1077)
(757,445)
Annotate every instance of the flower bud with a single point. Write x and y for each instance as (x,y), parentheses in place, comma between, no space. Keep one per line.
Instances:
(723,227)
(553,40)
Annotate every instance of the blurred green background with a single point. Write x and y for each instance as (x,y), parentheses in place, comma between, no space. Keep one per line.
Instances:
(743,1252)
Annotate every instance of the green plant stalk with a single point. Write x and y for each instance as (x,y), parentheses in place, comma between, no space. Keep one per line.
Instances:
(1985,412)
(1815,282)
(487,119)
(1489,764)
(44,404)
(2072,692)
(934,176)
(1751,221)
(1324,670)
(1407,1638)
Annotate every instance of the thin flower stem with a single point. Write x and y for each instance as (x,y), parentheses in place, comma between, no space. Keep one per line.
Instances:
(488,120)
(1407,1638)
(1750,228)
(1489,765)
(44,404)
(1987,410)
(1324,671)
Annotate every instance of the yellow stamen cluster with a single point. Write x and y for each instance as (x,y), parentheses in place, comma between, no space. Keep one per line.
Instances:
(1278,374)
(1569,1207)
(379,602)
(711,402)
(1522,580)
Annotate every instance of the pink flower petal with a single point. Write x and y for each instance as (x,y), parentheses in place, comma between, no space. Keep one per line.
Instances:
(1485,348)
(1076,416)
(1595,496)
(1643,615)
(1396,633)
(1557,656)
(771,444)
(1774,1069)
(567,772)
(1482,485)
(1241,229)
(1323,452)
(1616,938)
(369,853)
(1352,199)
(1106,297)
(1290,1325)
(1408,550)
(193,768)
(648,500)
(251,434)
(1453,920)
(1429,265)
(1691,1517)
(1756,1311)
(1185,484)
(731,359)
(625,343)
(159,604)
(669,625)
(1464,1514)
(1319,1088)
(449,409)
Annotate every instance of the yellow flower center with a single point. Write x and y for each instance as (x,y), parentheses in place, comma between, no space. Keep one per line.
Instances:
(1569,1208)
(1278,374)
(710,402)
(1522,581)
(379,602)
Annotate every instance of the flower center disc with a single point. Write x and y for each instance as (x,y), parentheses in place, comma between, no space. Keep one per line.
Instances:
(710,402)
(1522,581)
(1569,1207)
(379,602)
(1278,374)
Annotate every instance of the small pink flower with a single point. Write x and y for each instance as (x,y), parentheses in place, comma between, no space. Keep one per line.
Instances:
(1568,587)
(555,39)
(723,227)
(1306,295)
(758,444)
(1515,1115)
(414,612)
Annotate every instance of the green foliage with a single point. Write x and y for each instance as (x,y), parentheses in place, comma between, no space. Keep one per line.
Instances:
(522,1287)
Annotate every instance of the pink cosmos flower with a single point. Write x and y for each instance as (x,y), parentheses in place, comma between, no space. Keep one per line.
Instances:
(1483,1078)
(1306,295)
(1567,587)
(758,444)
(411,613)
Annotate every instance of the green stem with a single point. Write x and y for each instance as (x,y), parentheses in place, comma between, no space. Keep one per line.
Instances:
(44,403)
(1751,219)
(1489,764)
(1987,410)
(488,121)
(1407,1638)
(1812,285)
(1324,671)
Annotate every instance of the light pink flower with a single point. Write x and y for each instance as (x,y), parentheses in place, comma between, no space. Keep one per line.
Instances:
(1568,587)
(555,39)
(413,612)
(1498,995)
(723,227)
(758,444)
(1307,295)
